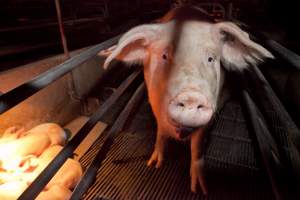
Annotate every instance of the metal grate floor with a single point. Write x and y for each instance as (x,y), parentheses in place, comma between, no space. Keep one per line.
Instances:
(233,167)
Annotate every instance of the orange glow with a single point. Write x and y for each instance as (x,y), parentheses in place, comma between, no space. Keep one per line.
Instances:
(24,156)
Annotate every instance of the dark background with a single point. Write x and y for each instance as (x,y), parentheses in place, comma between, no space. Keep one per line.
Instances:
(29,29)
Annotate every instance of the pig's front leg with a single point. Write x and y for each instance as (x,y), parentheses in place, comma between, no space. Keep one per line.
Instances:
(157,156)
(197,162)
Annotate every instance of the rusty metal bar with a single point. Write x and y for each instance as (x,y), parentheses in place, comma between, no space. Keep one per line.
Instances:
(61,29)
(41,181)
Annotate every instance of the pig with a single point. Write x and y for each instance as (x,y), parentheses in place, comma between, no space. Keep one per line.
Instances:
(56,192)
(67,176)
(33,142)
(184,59)
(12,190)
(59,186)
(11,133)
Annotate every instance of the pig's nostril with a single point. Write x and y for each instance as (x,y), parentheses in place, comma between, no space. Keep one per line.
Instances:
(180,104)
(200,106)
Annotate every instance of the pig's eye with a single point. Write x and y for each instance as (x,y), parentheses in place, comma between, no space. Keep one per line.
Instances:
(165,56)
(210,59)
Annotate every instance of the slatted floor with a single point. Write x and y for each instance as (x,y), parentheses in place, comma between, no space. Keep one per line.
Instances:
(232,164)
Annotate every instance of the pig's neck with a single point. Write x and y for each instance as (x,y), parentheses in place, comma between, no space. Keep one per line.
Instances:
(156,86)
(156,82)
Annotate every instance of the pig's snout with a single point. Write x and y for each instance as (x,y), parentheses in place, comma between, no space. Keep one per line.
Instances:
(190,109)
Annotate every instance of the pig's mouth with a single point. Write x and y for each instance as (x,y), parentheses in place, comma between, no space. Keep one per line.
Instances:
(184,132)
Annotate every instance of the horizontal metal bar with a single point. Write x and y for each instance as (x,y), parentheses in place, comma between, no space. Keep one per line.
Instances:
(21,48)
(17,95)
(41,181)
(42,24)
(90,174)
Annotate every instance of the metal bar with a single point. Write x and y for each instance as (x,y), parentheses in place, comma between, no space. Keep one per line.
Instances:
(265,146)
(90,174)
(229,14)
(41,181)
(291,154)
(11,50)
(276,48)
(42,24)
(15,96)
(291,130)
(61,29)
(71,87)
(288,55)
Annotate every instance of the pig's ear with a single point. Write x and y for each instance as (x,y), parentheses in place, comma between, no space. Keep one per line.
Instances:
(238,50)
(132,47)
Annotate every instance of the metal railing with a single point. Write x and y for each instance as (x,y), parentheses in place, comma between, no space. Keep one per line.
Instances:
(270,153)
(281,158)
(41,181)
(15,96)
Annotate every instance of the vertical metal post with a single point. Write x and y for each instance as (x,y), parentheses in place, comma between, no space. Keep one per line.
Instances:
(229,15)
(70,77)
(61,29)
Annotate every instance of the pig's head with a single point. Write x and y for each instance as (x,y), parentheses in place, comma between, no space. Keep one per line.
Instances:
(183,62)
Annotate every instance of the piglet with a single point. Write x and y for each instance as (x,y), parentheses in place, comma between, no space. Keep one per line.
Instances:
(34,142)
(55,192)
(12,190)
(67,176)
(11,133)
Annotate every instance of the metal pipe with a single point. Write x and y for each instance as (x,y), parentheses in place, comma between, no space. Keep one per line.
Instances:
(288,55)
(277,49)
(41,181)
(229,14)
(90,174)
(265,145)
(290,130)
(292,133)
(61,29)
(17,95)
(43,23)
